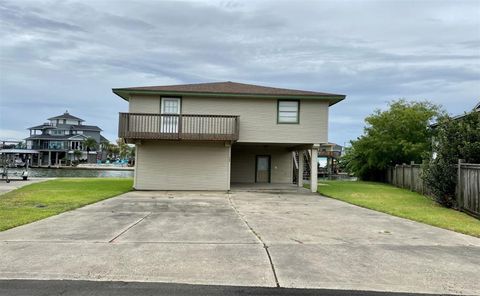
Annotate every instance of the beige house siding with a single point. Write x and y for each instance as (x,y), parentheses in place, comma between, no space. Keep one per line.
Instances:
(144,104)
(163,165)
(258,117)
(243,163)
(182,166)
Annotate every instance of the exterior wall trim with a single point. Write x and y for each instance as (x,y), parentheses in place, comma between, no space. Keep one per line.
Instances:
(125,94)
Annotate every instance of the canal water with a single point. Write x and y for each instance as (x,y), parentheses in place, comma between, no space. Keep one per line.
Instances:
(70,173)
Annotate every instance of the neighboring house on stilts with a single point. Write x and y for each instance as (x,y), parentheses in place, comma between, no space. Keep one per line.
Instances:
(59,138)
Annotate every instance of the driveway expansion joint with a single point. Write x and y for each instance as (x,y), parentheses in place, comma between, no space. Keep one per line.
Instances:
(129,227)
(258,237)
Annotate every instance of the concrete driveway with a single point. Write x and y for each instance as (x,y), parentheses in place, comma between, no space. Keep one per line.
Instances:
(259,238)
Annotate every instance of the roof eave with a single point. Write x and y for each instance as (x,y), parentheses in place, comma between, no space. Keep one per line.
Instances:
(41,128)
(121,93)
(60,117)
(337,100)
(125,94)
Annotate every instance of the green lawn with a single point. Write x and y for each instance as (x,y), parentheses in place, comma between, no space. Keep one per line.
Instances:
(40,200)
(400,202)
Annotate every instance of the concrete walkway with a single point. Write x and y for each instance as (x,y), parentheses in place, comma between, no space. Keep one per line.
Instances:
(287,239)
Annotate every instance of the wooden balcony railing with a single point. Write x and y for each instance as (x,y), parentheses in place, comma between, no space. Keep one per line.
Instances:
(178,127)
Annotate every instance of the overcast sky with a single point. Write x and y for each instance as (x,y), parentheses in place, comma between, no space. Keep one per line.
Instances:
(58,55)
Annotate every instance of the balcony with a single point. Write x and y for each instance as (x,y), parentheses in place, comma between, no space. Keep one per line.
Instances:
(196,127)
(45,146)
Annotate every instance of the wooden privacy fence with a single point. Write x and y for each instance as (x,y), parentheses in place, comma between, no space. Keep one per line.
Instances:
(468,188)
(407,176)
(468,185)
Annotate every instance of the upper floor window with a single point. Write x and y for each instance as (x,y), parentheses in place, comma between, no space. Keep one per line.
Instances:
(288,111)
(170,106)
(57,132)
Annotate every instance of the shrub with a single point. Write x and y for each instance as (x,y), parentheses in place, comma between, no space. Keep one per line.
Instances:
(454,139)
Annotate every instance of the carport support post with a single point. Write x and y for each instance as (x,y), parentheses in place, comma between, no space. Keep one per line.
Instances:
(314,169)
(300,169)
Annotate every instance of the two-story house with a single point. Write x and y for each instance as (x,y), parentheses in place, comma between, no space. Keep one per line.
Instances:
(57,139)
(208,136)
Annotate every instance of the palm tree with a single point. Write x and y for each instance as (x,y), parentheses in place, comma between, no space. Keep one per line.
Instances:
(132,152)
(131,156)
(76,155)
(90,144)
(124,149)
(112,150)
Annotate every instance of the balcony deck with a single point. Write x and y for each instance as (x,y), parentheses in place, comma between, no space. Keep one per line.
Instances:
(195,127)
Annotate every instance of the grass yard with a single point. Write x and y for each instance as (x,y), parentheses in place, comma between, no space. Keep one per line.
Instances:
(40,200)
(400,202)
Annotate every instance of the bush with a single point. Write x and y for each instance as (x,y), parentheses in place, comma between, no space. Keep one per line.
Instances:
(454,140)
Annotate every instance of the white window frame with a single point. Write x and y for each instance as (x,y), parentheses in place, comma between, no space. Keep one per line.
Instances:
(169,124)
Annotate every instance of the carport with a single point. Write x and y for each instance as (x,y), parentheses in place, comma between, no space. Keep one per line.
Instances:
(272,165)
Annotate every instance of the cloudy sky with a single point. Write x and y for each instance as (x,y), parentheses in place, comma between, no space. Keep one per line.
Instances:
(58,55)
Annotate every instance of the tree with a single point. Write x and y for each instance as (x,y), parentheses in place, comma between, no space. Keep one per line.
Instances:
(454,140)
(398,135)
(112,150)
(132,152)
(131,156)
(124,149)
(76,154)
(90,144)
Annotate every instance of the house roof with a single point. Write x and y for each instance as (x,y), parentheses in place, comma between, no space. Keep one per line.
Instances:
(103,139)
(48,137)
(81,127)
(475,109)
(18,151)
(77,137)
(41,127)
(66,115)
(85,128)
(54,137)
(227,88)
